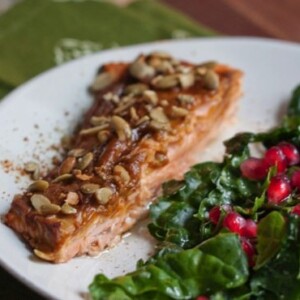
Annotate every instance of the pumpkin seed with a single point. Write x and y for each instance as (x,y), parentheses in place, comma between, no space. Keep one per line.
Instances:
(140,70)
(93,130)
(30,166)
(179,112)
(211,80)
(165,82)
(89,188)
(66,142)
(121,172)
(77,152)
(164,102)
(121,127)
(142,120)
(99,120)
(68,209)
(161,54)
(125,104)
(43,205)
(64,177)
(103,195)
(72,198)
(151,96)
(183,69)
(186,99)
(201,71)
(133,114)
(103,136)
(43,255)
(159,126)
(165,67)
(135,89)
(38,186)
(186,80)
(36,174)
(67,165)
(102,81)
(84,161)
(158,114)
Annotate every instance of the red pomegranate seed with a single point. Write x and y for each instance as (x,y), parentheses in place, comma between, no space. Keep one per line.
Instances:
(295,179)
(296,210)
(279,189)
(290,152)
(254,168)
(215,213)
(250,251)
(234,222)
(250,229)
(275,157)
(202,298)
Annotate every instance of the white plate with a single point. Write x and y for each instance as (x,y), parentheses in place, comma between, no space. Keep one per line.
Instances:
(48,106)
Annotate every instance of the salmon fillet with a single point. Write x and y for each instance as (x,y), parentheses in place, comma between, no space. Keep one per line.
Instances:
(148,119)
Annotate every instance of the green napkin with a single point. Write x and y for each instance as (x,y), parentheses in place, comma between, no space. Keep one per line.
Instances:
(36,35)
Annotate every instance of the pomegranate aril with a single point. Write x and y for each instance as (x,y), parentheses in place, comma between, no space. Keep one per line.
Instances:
(254,168)
(295,179)
(296,210)
(275,157)
(250,229)
(279,189)
(215,213)
(290,152)
(250,251)
(234,222)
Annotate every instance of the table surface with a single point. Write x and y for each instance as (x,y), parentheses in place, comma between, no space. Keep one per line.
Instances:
(267,18)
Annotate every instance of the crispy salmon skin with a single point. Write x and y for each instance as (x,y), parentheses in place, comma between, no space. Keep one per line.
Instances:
(148,119)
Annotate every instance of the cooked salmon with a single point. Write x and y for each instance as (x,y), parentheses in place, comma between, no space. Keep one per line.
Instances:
(148,120)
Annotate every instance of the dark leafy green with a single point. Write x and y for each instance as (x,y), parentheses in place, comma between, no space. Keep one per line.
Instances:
(279,278)
(181,275)
(271,232)
(196,257)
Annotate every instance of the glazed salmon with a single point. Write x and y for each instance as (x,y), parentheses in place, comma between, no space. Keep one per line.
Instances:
(149,119)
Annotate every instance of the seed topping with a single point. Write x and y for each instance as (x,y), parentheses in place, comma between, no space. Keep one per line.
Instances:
(89,188)
(63,178)
(43,205)
(102,81)
(151,96)
(38,186)
(165,82)
(211,80)
(93,130)
(85,161)
(68,209)
(121,127)
(179,112)
(67,165)
(186,80)
(135,89)
(72,198)
(140,70)
(103,136)
(103,195)
(77,152)
(30,166)
(121,172)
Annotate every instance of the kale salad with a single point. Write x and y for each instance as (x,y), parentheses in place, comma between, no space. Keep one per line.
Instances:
(229,230)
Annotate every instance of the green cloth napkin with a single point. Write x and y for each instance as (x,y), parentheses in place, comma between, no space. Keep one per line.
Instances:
(36,35)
